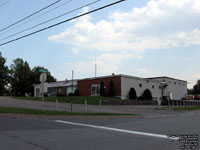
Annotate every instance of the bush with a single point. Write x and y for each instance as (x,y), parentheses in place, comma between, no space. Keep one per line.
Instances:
(141,98)
(102,91)
(132,94)
(147,95)
(111,89)
(70,94)
(76,93)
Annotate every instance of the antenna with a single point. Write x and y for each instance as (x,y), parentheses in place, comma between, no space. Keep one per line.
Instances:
(95,66)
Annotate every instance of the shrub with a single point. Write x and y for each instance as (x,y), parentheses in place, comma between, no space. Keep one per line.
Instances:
(70,94)
(102,91)
(132,94)
(147,95)
(140,98)
(76,93)
(111,89)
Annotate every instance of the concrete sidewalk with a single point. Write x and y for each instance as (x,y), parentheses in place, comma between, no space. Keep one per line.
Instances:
(148,111)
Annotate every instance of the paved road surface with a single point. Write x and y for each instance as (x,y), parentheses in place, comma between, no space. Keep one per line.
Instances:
(46,134)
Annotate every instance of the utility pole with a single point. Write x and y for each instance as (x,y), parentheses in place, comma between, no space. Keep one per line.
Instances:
(72,88)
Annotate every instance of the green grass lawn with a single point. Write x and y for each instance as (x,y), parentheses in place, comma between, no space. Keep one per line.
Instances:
(187,108)
(45,112)
(93,100)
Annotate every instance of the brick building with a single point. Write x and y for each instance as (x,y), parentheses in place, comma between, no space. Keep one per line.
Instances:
(159,86)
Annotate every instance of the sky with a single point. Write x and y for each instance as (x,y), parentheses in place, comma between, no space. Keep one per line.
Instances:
(143,38)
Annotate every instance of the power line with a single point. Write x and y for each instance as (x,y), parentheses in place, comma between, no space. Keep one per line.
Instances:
(103,7)
(4,3)
(30,15)
(37,16)
(49,20)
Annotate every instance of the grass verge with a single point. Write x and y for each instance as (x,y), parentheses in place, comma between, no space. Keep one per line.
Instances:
(46,112)
(187,108)
(92,100)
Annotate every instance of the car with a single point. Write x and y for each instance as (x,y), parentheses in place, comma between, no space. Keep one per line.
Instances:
(196,97)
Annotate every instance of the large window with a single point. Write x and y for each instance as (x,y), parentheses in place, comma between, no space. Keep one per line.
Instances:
(95,90)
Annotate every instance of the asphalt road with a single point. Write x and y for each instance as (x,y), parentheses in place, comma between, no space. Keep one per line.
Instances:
(97,134)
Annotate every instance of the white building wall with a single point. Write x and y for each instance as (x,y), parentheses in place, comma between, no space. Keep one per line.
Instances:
(129,82)
(178,88)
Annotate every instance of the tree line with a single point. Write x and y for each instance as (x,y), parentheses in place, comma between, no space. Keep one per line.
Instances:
(19,78)
(196,89)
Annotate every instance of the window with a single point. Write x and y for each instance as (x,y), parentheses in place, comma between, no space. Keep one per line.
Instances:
(95,90)
(174,82)
(153,86)
(140,85)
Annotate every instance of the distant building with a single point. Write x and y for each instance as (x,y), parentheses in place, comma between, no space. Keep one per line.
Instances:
(165,87)
(60,88)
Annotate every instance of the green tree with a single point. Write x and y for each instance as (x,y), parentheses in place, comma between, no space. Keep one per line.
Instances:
(132,94)
(21,77)
(36,75)
(190,91)
(111,89)
(196,88)
(102,91)
(4,74)
(147,95)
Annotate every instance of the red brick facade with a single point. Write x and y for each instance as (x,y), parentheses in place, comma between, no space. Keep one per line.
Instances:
(84,85)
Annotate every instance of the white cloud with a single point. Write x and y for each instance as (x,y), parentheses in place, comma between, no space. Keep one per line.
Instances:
(106,64)
(145,72)
(160,24)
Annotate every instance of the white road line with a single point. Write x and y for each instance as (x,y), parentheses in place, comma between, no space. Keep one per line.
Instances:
(117,130)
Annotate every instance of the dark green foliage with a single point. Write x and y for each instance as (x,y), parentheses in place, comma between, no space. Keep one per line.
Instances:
(147,95)
(36,75)
(70,94)
(4,74)
(76,93)
(132,94)
(196,88)
(21,77)
(190,91)
(111,89)
(141,98)
(102,91)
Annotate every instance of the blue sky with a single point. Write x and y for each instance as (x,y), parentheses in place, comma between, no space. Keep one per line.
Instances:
(144,38)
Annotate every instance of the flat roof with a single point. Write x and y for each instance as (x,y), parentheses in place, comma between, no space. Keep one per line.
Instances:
(117,75)
(129,76)
(112,76)
(167,78)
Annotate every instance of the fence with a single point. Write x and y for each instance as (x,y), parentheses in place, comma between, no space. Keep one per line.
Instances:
(183,103)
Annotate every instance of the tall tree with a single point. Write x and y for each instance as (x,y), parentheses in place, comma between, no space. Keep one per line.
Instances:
(111,89)
(196,88)
(36,75)
(102,91)
(22,79)
(4,74)
(132,94)
(147,95)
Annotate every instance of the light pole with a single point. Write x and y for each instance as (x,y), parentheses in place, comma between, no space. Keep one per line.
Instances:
(163,86)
